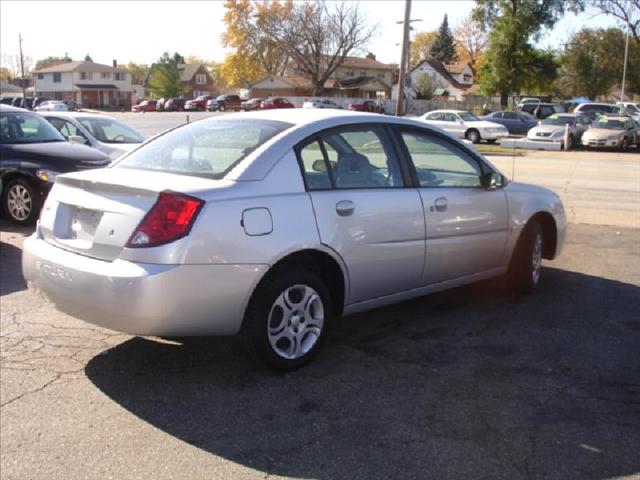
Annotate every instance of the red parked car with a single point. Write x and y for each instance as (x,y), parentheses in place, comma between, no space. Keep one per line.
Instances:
(145,106)
(199,103)
(366,106)
(276,102)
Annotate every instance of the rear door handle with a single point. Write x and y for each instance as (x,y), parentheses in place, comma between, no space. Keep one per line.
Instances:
(344,208)
(440,204)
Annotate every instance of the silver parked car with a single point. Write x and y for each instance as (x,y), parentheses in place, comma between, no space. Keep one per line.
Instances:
(271,224)
(99,131)
(552,129)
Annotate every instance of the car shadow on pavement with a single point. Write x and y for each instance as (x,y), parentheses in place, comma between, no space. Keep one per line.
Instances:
(11,279)
(474,382)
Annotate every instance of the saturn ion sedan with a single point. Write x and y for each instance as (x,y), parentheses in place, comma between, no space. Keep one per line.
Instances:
(272,224)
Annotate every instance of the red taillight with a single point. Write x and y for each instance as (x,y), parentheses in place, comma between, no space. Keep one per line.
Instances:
(169,219)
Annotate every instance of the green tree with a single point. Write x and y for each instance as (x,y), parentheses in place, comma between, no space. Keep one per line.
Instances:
(592,63)
(510,55)
(51,61)
(443,48)
(424,87)
(138,72)
(164,80)
(87,58)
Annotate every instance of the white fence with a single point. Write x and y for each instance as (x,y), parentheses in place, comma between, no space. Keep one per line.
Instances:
(413,107)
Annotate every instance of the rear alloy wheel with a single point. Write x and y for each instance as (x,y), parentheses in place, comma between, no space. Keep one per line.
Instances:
(287,319)
(526,264)
(19,202)
(473,136)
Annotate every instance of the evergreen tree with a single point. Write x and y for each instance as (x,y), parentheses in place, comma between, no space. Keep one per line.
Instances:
(443,48)
(87,58)
(165,79)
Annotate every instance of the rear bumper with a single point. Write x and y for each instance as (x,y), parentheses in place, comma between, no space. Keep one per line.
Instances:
(142,299)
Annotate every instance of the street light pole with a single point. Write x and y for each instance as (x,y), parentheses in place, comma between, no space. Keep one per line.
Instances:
(403,61)
(24,90)
(624,68)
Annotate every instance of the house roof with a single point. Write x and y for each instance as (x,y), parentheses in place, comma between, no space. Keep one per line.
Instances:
(188,70)
(457,67)
(78,66)
(366,62)
(440,68)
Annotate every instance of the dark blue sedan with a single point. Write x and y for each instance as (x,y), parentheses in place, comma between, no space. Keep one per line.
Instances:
(518,123)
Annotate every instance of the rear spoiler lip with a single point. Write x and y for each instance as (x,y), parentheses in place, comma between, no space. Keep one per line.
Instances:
(104,186)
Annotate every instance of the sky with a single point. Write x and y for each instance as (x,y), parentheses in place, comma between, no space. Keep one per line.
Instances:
(140,31)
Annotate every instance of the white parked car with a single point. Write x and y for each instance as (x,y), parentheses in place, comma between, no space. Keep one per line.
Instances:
(631,109)
(271,224)
(552,129)
(102,132)
(323,103)
(463,124)
(51,106)
(594,109)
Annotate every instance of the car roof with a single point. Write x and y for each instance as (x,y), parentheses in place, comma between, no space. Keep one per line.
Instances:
(448,111)
(75,115)
(8,108)
(617,117)
(599,104)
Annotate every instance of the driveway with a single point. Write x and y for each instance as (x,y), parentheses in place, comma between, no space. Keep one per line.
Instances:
(471,383)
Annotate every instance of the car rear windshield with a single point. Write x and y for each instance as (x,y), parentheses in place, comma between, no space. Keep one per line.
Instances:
(18,127)
(209,148)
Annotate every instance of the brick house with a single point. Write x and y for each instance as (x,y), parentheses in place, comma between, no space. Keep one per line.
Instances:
(195,78)
(88,83)
(357,77)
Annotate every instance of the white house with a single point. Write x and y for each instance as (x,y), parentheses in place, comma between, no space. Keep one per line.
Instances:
(88,83)
(454,81)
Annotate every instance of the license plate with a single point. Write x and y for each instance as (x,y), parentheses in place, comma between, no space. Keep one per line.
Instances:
(84,223)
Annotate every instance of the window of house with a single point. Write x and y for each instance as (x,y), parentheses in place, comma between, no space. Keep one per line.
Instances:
(57,77)
(201,79)
(41,76)
(363,73)
(467,78)
(106,75)
(83,75)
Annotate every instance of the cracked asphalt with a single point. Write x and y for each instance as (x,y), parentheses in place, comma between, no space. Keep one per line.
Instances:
(471,383)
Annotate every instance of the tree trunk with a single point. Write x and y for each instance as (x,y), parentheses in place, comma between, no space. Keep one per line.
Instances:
(504,100)
(318,88)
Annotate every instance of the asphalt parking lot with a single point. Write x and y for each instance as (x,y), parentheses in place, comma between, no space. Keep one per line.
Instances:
(470,383)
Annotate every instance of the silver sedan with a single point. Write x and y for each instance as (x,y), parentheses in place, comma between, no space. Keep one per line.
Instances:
(272,224)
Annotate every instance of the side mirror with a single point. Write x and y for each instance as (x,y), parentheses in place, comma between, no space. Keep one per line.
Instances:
(77,139)
(491,180)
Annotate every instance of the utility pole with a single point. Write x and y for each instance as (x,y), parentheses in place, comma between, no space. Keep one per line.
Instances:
(624,68)
(24,90)
(403,59)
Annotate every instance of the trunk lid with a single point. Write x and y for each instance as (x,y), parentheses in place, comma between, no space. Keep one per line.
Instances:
(95,212)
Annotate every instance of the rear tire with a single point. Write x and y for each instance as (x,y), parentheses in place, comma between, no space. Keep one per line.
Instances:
(624,146)
(20,202)
(473,136)
(526,264)
(287,318)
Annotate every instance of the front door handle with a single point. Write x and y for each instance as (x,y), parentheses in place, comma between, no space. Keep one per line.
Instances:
(440,204)
(344,208)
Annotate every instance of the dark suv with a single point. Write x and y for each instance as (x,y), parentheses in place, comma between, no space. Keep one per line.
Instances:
(224,102)
(32,154)
(542,110)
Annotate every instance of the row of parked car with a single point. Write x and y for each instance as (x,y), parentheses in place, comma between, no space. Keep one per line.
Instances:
(592,125)
(40,104)
(224,103)
(35,147)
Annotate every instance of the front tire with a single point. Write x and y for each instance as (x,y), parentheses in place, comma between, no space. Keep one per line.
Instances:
(624,146)
(526,264)
(287,318)
(473,136)
(221,108)
(20,203)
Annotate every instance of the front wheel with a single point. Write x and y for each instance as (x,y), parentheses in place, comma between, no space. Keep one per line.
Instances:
(20,203)
(473,136)
(526,264)
(286,320)
(221,108)
(624,146)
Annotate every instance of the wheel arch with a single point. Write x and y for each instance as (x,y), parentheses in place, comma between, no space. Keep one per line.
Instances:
(322,261)
(549,233)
